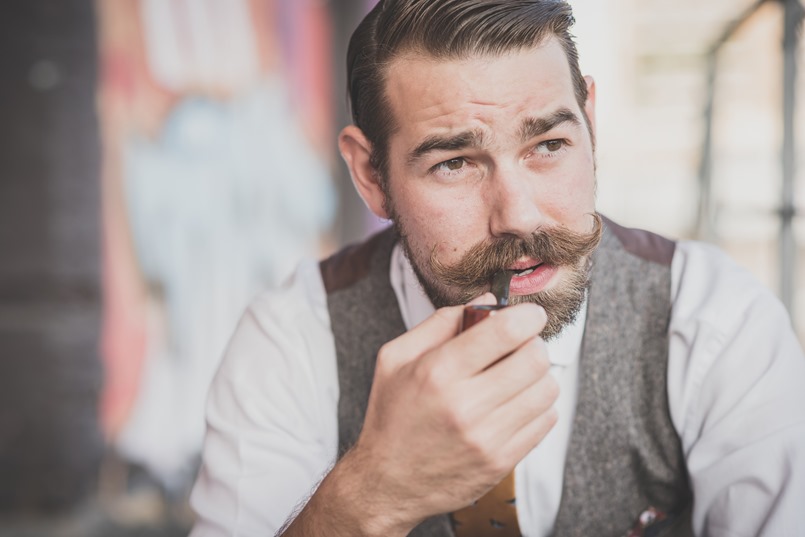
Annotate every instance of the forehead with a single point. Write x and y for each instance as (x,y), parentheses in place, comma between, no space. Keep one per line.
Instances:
(429,95)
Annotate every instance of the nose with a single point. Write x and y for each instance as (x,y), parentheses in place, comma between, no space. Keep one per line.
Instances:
(512,199)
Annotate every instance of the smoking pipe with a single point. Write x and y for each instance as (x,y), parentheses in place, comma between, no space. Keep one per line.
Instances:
(500,288)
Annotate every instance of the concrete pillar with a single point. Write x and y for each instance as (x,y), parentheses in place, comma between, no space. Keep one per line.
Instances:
(50,373)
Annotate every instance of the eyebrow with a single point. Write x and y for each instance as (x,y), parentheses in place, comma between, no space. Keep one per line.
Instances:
(535,127)
(531,127)
(472,138)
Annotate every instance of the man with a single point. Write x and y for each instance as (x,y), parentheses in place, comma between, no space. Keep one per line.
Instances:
(637,386)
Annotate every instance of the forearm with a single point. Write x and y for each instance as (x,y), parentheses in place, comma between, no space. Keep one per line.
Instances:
(345,506)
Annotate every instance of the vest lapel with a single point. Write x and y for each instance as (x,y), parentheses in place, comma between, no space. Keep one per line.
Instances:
(624,454)
(364,314)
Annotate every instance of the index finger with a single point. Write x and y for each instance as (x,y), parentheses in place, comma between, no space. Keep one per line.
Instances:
(444,324)
(502,333)
(440,327)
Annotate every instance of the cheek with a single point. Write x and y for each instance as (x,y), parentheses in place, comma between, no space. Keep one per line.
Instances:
(443,222)
(574,193)
(571,198)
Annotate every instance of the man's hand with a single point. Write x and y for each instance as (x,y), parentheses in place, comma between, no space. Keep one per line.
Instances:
(448,417)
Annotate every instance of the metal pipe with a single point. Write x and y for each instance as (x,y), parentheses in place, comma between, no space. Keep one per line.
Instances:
(734,25)
(793,25)
(705,226)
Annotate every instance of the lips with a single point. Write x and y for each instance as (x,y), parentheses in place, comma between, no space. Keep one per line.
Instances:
(531,276)
(524,265)
(527,271)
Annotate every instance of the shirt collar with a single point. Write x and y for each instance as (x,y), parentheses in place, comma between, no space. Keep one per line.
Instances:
(415,307)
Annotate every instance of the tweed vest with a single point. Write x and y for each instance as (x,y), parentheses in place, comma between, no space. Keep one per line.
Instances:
(624,455)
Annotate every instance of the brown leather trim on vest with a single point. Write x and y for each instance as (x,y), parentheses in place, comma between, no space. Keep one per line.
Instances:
(345,268)
(643,244)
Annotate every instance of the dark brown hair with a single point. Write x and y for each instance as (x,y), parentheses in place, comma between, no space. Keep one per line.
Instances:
(444,29)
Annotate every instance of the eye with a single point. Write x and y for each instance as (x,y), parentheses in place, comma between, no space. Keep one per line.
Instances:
(551,146)
(455,170)
(453,165)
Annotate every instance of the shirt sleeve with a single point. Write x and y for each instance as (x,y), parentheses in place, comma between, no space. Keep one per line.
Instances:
(271,421)
(737,397)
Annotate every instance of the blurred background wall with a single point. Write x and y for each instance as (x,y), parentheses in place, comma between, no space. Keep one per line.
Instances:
(164,160)
(744,191)
(216,121)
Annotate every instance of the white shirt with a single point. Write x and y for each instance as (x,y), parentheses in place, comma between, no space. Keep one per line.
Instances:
(736,385)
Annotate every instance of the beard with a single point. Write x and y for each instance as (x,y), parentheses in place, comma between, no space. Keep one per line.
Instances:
(470,276)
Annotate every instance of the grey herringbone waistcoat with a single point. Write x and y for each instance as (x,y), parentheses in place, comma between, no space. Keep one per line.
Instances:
(624,454)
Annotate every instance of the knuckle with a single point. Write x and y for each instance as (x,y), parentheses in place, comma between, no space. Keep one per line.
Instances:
(540,362)
(423,375)
(497,466)
(542,348)
(533,363)
(542,316)
(386,351)
(385,357)
(510,328)
(533,315)
(432,375)
(460,421)
(550,388)
(480,451)
(551,417)
(521,322)
(544,424)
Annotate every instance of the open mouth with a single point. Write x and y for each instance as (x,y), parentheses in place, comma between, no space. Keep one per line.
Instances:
(527,271)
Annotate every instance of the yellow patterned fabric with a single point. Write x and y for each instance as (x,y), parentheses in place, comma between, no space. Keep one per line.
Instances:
(494,515)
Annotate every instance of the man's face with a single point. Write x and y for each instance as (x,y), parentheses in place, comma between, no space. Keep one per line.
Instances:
(492,167)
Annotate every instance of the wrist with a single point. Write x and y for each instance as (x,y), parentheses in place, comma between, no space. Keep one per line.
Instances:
(363,502)
(351,502)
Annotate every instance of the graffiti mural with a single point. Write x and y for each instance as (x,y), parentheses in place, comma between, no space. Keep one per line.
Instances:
(217,132)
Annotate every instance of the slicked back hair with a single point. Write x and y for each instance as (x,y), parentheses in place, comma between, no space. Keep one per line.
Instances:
(448,30)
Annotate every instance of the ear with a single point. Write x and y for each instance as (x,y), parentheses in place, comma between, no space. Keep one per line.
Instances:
(356,150)
(589,105)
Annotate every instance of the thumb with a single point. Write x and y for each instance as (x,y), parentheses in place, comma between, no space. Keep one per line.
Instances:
(437,329)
